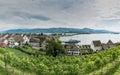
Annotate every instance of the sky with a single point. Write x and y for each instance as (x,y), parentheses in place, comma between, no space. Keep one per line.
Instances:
(95,14)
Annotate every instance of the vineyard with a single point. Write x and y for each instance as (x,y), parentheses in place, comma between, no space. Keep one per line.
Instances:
(15,62)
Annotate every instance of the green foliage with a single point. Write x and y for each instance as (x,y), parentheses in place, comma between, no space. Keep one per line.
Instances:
(26,45)
(54,47)
(61,65)
(41,49)
(118,44)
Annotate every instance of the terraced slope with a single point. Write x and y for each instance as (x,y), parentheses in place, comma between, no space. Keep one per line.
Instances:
(9,70)
(101,63)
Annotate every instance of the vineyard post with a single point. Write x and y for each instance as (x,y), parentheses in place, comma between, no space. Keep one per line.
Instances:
(36,71)
(93,72)
(102,67)
(19,73)
(5,59)
(13,71)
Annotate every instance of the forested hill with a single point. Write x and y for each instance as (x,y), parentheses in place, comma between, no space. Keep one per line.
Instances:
(58,30)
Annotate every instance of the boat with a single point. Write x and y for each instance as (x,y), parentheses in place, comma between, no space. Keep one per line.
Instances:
(72,41)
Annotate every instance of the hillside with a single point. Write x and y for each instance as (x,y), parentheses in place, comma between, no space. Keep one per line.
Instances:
(58,30)
(102,63)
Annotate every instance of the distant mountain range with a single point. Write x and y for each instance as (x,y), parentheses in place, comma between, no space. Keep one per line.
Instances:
(58,30)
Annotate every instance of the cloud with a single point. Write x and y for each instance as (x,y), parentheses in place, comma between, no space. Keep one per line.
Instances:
(98,14)
(30,16)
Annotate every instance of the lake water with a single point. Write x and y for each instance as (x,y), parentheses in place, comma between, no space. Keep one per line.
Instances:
(88,38)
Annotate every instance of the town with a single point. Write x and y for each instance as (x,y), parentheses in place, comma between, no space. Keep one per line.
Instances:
(38,41)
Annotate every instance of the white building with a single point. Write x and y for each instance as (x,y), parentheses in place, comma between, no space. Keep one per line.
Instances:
(96,45)
(11,42)
(25,39)
(17,40)
(72,49)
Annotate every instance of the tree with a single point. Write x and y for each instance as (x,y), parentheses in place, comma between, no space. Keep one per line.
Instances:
(41,34)
(54,47)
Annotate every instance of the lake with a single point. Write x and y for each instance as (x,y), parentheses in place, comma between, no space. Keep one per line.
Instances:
(88,38)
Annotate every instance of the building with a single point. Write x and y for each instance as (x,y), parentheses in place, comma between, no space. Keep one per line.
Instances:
(72,49)
(3,43)
(34,43)
(11,42)
(96,45)
(17,40)
(85,49)
(25,39)
(42,41)
(108,45)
